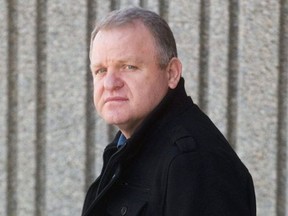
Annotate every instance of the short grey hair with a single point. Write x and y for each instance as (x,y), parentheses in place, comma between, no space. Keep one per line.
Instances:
(158,27)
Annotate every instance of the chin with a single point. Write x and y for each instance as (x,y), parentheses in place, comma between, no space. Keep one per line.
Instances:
(112,120)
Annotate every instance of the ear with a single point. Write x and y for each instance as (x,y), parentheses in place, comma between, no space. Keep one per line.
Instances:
(174,70)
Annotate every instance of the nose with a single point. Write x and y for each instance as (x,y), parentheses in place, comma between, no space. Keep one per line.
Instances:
(112,80)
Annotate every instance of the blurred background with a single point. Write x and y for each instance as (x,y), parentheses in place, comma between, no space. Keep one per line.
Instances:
(235,58)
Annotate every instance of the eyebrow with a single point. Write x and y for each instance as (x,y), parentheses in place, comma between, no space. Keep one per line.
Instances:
(94,66)
(125,60)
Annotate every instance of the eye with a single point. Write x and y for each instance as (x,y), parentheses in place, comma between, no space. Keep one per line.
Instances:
(130,67)
(100,71)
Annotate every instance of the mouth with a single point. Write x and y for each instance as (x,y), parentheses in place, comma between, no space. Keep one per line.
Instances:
(115,99)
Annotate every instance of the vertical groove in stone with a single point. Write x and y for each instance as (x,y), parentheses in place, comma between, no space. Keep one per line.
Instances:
(90,110)
(232,72)
(204,54)
(143,3)
(282,111)
(40,143)
(164,9)
(12,132)
(114,5)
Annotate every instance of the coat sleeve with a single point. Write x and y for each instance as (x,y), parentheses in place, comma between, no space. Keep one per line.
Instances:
(202,184)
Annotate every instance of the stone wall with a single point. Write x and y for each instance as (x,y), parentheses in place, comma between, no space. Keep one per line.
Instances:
(235,57)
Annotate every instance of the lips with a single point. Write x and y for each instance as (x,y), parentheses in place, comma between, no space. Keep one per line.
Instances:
(115,99)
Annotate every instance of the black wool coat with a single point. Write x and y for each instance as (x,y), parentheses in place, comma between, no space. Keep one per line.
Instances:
(176,164)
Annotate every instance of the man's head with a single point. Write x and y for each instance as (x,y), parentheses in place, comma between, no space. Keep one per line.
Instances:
(158,27)
(133,66)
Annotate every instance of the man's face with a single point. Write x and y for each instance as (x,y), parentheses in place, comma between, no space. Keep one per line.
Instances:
(128,82)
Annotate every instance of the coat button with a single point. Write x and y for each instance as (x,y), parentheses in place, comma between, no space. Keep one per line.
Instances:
(124,210)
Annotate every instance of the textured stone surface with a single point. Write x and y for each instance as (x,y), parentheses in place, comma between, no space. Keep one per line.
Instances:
(64,176)
(26,107)
(3,104)
(66,70)
(218,63)
(257,118)
(184,21)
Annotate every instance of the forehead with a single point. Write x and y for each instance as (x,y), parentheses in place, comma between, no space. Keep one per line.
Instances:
(132,29)
(130,40)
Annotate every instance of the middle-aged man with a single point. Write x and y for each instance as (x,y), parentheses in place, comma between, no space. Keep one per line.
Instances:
(168,158)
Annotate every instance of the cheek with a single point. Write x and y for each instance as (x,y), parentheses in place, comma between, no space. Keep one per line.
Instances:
(149,98)
(97,96)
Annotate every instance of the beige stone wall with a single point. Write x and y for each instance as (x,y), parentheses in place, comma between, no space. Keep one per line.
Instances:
(235,57)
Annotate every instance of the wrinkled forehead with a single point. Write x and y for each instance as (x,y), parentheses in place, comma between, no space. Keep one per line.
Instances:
(132,25)
(126,23)
(129,40)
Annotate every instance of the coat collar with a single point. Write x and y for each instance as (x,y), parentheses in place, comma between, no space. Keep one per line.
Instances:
(173,104)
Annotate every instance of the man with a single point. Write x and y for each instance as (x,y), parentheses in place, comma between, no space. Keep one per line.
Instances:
(168,158)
